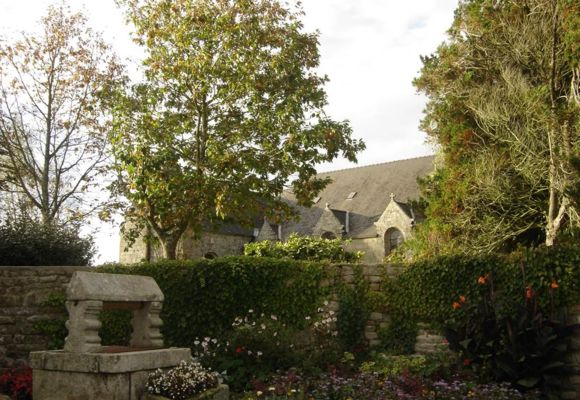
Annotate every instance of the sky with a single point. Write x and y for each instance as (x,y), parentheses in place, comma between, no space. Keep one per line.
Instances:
(370,50)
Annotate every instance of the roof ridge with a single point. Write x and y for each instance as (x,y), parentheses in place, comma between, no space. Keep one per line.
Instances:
(375,164)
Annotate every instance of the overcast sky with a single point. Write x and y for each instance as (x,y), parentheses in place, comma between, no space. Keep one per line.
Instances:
(369,49)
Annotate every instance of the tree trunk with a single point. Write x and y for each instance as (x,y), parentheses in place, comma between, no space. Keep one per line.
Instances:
(169,244)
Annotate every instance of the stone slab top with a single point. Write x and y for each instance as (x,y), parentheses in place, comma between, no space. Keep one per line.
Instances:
(113,363)
(112,287)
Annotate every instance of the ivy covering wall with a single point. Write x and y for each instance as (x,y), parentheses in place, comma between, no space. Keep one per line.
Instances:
(435,290)
(202,298)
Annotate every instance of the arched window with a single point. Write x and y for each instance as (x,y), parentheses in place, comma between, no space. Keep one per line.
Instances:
(328,235)
(210,256)
(393,239)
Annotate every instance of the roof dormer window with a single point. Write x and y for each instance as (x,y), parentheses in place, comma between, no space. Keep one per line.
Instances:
(351,195)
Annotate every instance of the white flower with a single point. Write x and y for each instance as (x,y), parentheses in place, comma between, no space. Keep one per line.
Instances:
(275,318)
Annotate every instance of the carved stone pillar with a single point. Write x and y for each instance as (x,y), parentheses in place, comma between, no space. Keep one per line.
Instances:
(146,324)
(83,326)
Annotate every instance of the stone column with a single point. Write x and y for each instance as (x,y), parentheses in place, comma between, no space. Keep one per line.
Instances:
(83,326)
(146,323)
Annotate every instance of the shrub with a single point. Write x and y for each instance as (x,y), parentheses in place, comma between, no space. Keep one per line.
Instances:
(260,344)
(526,347)
(29,243)
(299,247)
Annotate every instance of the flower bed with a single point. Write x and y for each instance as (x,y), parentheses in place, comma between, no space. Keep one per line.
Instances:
(373,386)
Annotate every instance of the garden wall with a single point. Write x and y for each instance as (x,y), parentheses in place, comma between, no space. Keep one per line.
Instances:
(22,293)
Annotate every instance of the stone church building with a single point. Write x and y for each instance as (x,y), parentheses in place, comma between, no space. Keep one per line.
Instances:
(368,205)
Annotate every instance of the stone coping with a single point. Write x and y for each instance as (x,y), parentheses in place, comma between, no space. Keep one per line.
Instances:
(86,285)
(113,363)
(44,268)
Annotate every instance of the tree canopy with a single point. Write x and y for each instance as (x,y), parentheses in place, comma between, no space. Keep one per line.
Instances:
(230,110)
(503,111)
(52,126)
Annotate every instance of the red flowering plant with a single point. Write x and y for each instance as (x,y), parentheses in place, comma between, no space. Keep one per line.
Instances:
(506,341)
(17,383)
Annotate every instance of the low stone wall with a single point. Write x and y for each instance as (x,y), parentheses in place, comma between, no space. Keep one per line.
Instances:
(374,275)
(22,293)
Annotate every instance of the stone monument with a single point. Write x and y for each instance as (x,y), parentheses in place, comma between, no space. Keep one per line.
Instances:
(85,369)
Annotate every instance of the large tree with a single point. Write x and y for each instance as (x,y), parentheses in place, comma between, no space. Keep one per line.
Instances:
(504,112)
(52,128)
(231,108)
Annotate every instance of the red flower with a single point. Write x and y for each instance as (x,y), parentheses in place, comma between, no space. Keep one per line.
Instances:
(239,350)
(462,299)
(467,361)
(456,305)
(529,293)
(482,280)
(554,284)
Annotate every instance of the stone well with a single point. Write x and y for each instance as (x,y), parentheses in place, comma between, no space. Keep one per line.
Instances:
(85,369)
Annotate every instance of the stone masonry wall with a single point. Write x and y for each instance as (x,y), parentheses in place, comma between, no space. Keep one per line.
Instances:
(374,274)
(188,248)
(22,292)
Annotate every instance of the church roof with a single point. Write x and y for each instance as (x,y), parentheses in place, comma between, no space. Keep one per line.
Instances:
(373,185)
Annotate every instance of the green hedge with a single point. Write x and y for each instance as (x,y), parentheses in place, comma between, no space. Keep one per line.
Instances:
(202,298)
(426,290)
(308,248)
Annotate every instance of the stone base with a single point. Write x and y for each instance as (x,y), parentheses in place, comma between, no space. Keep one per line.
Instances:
(222,392)
(58,375)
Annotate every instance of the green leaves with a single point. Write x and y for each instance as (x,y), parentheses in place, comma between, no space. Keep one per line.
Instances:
(232,108)
(202,298)
(506,124)
(298,247)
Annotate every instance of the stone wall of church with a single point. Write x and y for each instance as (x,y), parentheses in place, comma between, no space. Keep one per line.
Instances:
(373,249)
(133,254)
(394,217)
(328,223)
(214,244)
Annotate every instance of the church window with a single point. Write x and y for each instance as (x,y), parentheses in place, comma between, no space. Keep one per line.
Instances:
(393,239)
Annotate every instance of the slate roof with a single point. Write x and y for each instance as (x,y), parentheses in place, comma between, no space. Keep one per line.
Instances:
(373,184)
